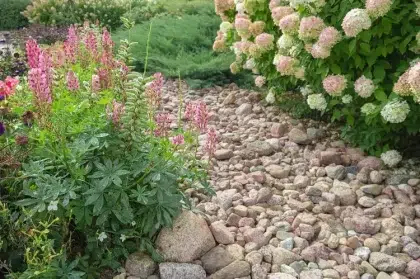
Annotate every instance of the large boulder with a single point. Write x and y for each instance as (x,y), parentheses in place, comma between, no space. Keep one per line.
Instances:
(181,270)
(216,259)
(188,239)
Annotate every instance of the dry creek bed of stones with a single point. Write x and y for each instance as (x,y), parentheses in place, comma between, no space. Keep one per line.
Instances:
(292,202)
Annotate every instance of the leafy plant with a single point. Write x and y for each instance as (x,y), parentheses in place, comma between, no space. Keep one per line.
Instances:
(10,14)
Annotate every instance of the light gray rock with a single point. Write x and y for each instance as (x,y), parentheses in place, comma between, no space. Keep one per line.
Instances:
(280,275)
(283,256)
(336,172)
(140,264)
(188,239)
(298,136)
(311,274)
(223,154)
(278,171)
(383,275)
(384,262)
(392,227)
(221,233)
(234,270)
(262,148)
(216,259)
(181,270)
(244,109)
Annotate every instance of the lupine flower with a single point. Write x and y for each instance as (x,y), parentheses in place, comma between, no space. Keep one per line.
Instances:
(395,111)
(32,52)
(265,41)
(310,28)
(364,87)
(223,5)
(211,142)
(356,21)
(329,37)
(102,236)
(414,78)
(279,13)
(105,77)
(347,99)
(317,102)
(378,8)
(53,206)
(391,158)
(285,42)
(21,140)
(286,65)
(178,140)
(334,84)
(260,81)
(2,128)
(107,43)
(91,44)
(368,108)
(154,90)
(96,83)
(163,121)
(72,81)
(114,112)
(317,51)
(40,79)
(290,24)
(201,116)
(8,87)
(71,44)
(270,98)
(257,27)
(189,111)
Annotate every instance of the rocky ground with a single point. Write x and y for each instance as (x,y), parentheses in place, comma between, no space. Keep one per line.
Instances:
(293,201)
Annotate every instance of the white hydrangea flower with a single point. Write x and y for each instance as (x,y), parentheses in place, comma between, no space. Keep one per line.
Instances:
(368,108)
(347,99)
(271,99)
(306,90)
(250,64)
(395,111)
(285,42)
(225,26)
(317,101)
(277,58)
(391,158)
(102,236)
(53,206)
(356,21)
(240,8)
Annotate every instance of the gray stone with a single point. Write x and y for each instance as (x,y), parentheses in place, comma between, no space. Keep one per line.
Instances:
(383,275)
(370,162)
(188,239)
(221,233)
(362,252)
(216,259)
(330,157)
(289,270)
(336,172)
(140,264)
(372,189)
(283,256)
(384,262)
(298,136)
(413,250)
(311,274)
(234,270)
(278,171)
(223,154)
(181,270)
(262,148)
(244,109)
(280,275)
(392,227)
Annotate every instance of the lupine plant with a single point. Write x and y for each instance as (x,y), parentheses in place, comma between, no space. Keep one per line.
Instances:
(102,170)
(356,60)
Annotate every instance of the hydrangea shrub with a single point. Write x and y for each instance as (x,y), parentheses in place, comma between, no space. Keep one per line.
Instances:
(356,60)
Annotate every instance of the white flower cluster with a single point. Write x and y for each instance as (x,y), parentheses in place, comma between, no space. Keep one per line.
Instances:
(306,90)
(368,108)
(285,43)
(270,98)
(317,101)
(395,111)
(391,158)
(347,99)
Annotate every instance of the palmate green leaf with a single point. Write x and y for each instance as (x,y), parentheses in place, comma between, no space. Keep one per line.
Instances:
(92,199)
(98,205)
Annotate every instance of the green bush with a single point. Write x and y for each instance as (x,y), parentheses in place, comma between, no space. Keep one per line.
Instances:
(343,54)
(10,14)
(182,45)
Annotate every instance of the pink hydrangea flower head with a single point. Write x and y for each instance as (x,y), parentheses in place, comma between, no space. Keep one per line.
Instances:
(201,116)
(356,21)
(273,4)
(72,81)
(219,45)
(223,5)
(329,37)
(242,27)
(364,87)
(265,41)
(414,78)
(211,142)
(402,86)
(260,81)
(378,8)
(96,83)
(279,13)
(163,122)
(290,24)
(257,27)
(286,65)
(317,51)
(32,52)
(334,84)
(178,140)
(310,28)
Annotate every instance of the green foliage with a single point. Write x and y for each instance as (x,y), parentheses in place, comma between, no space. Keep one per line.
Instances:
(10,14)
(381,53)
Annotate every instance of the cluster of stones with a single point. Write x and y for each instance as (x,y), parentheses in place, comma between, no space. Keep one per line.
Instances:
(292,202)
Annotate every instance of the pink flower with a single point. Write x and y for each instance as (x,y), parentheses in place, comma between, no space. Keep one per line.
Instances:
(334,84)
(286,65)
(260,81)
(8,87)
(38,83)
(223,5)
(32,52)
(274,3)
(72,81)
(105,78)
(163,121)
(242,25)
(290,24)
(378,8)
(257,27)
(72,36)
(329,37)
(402,86)
(154,90)
(319,51)
(279,13)
(91,44)
(219,45)
(189,111)
(211,142)
(414,78)
(71,45)
(364,87)
(356,21)
(201,116)
(107,43)
(310,28)
(117,110)
(178,140)
(96,83)
(265,41)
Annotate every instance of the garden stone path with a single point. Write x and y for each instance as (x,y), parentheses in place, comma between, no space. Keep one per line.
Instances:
(292,201)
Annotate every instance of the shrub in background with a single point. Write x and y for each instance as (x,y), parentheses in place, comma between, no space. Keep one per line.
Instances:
(92,171)
(348,58)
(10,14)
